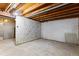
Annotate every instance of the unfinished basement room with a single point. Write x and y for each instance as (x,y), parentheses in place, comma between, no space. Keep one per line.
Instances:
(39,29)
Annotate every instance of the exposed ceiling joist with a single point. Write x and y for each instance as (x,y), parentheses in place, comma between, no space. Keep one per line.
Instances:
(12,6)
(25,6)
(48,9)
(32,8)
(3,6)
(71,15)
(70,10)
(41,9)
(8,7)
(58,12)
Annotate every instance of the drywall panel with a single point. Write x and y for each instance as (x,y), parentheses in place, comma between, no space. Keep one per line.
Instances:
(27,29)
(55,30)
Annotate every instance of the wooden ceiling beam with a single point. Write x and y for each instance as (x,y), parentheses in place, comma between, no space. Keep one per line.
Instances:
(3,6)
(58,12)
(25,6)
(32,8)
(19,6)
(59,15)
(12,6)
(48,10)
(8,7)
(69,13)
(41,9)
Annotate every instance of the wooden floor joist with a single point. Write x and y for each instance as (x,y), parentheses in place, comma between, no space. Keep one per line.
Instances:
(64,11)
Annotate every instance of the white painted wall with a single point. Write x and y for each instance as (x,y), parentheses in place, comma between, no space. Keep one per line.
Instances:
(1,31)
(55,30)
(8,30)
(27,29)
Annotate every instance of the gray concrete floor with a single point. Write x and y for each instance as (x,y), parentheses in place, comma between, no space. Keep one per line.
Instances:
(40,47)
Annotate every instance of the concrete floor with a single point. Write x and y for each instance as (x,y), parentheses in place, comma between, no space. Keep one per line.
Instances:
(40,47)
